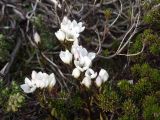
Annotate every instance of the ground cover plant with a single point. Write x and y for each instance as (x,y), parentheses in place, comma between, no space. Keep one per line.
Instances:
(80,59)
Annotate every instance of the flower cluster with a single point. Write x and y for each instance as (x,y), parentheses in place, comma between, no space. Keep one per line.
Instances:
(38,80)
(82,59)
(77,54)
(69,30)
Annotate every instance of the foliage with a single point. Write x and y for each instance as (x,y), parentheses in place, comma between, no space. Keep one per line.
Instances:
(47,38)
(151,108)
(4,49)
(130,111)
(11,98)
(108,100)
(133,89)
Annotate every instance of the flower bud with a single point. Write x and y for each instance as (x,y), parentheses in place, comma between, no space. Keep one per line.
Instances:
(76,73)
(66,56)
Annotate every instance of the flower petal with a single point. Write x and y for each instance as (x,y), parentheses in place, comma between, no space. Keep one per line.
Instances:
(91,55)
(27,89)
(104,75)
(66,56)
(98,81)
(28,82)
(34,74)
(86,81)
(52,80)
(60,35)
(90,73)
(76,73)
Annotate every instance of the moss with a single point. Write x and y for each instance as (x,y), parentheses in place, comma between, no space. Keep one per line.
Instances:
(151,42)
(126,89)
(66,108)
(135,69)
(154,49)
(137,45)
(151,108)
(130,111)
(149,74)
(59,109)
(142,88)
(76,102)
(152,17)
(4,49)
(145,70)
(108,100)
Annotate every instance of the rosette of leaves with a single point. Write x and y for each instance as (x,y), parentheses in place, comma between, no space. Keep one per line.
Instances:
(15,101)
(11,98)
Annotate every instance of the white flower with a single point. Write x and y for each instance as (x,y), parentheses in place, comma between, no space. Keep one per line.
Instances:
(76,43)
(70,30)
(76,73)
(86,82)
(28,87)
(102,77)
(60,35)
(98,81)
(83,63)
(28,82)
(91,55)
(66,56)
(38,80)
(37,38)
(43,80)
(73,27)
(51,80)
(71,35)
(90,73)
(83,58)
(65,23)
(77,27)
(78,51)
